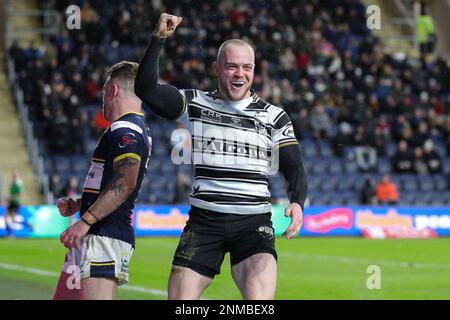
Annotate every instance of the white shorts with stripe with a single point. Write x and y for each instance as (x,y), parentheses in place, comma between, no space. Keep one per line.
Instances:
(100,257)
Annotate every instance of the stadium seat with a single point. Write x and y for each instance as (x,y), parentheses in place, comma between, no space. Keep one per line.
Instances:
(350,166)
(335,166)
(383,165)
(440,182)
(320,199)
(80,165)
(391,148)
(445,196)
(62,164)
(437,199)
(349,198)
(409,183)
(310,150)
(426,183)
(446,165)
(422,198)
(319,167)
(314,183)
(324,148)
(344,183)
(407,199)
(329,184)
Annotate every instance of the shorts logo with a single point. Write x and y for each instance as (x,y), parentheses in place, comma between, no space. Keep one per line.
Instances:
(266,232)
(187,246)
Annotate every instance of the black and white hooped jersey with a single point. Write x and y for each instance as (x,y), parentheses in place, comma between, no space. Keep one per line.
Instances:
(127,137)
(234,147)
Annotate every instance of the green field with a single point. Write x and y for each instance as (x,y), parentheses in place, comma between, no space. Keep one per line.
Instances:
(308,268)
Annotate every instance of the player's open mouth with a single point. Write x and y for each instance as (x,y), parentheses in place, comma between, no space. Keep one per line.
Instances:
(237,84)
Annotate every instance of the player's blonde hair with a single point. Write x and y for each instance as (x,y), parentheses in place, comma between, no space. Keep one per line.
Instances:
(238,42)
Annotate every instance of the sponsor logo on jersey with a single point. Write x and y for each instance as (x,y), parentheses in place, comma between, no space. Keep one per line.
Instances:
(210,115)
(288,132)
(127,140)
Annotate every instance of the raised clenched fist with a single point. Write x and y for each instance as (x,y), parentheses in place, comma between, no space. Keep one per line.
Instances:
(167,24)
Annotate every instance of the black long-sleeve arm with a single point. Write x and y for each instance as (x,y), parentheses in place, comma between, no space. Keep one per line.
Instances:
(165,100)
(293,169)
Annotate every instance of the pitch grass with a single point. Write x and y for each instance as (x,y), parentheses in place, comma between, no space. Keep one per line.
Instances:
(308,268)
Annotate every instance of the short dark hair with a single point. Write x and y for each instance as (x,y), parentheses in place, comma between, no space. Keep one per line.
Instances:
(123,69)
(124,72)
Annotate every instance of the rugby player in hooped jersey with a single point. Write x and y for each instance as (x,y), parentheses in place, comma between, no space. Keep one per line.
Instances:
(230,208)
(101,243)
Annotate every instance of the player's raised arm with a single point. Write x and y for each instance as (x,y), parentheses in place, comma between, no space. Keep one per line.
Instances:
(164,100)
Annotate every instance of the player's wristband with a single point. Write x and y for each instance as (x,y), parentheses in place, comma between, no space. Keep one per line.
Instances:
(89,217)
(85,221)
(158,38)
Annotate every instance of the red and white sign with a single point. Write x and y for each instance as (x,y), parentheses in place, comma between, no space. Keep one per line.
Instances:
(329,220)
(398,233)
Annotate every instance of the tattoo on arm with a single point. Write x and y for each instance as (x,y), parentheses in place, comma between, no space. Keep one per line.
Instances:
(118,189)
(117,185)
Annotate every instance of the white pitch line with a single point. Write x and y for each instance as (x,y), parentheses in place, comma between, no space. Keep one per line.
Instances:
(45,273)
(404,264)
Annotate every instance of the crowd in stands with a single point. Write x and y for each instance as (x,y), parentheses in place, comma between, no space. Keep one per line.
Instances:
(316,59)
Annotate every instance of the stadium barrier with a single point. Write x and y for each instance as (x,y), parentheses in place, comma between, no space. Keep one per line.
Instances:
(169,220)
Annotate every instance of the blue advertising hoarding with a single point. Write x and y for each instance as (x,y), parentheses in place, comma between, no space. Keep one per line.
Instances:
(169,220)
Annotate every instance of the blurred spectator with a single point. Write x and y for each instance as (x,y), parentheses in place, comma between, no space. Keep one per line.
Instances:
(320,122)
(419,164)
(18,55)
(379,141)
(402,161)
(425,31)
(366,154)
(387,191)
(343,139)
(431,157)
(56,186)
(60,133)
(99,123)
(71,189)
(369,192)
(421,135)
(301,124)
(14,202)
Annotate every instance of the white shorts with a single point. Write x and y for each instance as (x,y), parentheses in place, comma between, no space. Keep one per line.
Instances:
(100,257)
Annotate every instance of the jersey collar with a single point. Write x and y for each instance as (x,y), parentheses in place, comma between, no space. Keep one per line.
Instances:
(124,114)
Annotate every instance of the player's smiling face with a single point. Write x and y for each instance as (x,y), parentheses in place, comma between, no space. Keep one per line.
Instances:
(235,70)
